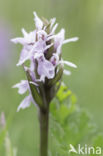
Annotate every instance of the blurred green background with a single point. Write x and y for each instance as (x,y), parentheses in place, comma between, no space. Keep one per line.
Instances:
(82,18)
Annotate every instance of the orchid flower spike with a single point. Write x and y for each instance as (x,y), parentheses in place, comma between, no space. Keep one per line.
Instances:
(42,47)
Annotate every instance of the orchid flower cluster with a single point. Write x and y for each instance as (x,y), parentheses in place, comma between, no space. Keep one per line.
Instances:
(43,49)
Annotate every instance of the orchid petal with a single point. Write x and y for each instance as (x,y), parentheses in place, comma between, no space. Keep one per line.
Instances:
(24,32)
(74,39)
(22,86)
(54,59)
(28,38)
(66,72)
(38,21)
(54,28)
(25,103)
(27,55)
(68,63)
(45,67)
(52,21)
(42,35)
(18,40)
(58,41)
(24,56)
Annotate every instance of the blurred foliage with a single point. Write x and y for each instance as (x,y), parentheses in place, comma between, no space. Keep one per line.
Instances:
(68,125)
(5,141)
(71,125)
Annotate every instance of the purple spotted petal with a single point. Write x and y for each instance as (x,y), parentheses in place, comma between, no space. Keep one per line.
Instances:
(45,68)
(28,52)
(54,59)
(42,35)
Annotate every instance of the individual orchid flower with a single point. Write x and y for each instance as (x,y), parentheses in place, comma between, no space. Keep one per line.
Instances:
(28,39)
(42,47)
(45,68)
(23,86)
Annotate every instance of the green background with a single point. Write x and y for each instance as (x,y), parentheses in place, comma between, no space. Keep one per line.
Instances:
(82,18)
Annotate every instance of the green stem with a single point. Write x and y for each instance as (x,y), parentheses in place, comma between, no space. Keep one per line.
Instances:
(44,124)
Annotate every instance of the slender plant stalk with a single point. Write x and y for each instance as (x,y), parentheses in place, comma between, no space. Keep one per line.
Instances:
(44,125)
(45,71)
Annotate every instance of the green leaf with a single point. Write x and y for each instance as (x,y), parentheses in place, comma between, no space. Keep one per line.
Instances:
(2,136)
(36,95)
(56,78)
(5,139)
(71,125)
(63,93)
